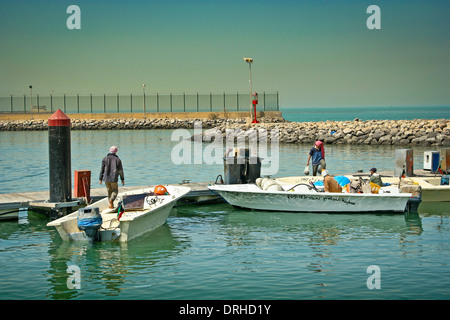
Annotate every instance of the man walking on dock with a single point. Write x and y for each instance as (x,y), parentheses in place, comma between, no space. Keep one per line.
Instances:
(110,172)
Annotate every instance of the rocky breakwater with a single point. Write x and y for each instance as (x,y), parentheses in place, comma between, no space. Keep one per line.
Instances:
(129,123)
(369,132)
(356,132)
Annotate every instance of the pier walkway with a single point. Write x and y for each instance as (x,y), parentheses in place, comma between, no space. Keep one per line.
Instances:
(199,193)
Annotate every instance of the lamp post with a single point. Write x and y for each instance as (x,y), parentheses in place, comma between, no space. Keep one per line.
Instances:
(31,98)
(250,61)
(143,89)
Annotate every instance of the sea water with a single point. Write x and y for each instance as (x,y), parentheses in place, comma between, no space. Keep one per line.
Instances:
(218,251)
(307,114)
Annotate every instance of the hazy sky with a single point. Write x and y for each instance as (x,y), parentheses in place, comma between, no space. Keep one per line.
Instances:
(314,53)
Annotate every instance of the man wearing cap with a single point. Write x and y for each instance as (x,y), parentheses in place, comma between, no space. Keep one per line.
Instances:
(329,183)
(110,172)
(375,177)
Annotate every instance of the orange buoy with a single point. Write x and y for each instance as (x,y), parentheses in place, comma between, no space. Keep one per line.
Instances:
(160,190)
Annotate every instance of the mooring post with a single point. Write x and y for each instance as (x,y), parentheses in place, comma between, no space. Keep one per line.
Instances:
(59,157)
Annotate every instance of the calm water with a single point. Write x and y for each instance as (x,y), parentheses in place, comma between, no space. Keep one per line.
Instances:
(146,156)
(217,251)
(366,113)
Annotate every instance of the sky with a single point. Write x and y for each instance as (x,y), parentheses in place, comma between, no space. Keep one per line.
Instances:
(314,53)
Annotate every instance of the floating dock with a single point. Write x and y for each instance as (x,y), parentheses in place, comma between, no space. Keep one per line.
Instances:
(38,201)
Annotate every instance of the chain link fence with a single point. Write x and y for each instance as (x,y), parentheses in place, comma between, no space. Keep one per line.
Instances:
(131,103)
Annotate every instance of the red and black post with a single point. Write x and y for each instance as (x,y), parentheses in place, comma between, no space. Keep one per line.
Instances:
(60,157)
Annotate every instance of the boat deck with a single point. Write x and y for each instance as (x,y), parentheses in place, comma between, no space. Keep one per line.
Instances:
(28,200)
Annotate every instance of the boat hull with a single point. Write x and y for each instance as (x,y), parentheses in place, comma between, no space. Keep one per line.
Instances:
(132,229)
(252,198)
(131,225)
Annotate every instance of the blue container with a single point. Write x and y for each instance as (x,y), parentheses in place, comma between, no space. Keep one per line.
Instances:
(435,162)
(445,180)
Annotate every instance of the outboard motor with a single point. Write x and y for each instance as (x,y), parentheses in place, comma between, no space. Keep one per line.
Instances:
(89,221)
(241,167)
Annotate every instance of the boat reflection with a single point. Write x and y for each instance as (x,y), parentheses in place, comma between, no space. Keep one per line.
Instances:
(319,241)
(106,267)
(431,208)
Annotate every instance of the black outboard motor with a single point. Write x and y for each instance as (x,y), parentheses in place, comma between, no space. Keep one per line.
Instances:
(241,168)
(89,221)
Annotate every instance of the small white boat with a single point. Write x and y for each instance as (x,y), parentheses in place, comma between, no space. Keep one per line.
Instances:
(143,212)
(431,189)
(303,199)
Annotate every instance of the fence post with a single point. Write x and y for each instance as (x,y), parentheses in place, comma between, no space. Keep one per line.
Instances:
(131,102)
(51,102)
(64,103)
(37,100)
(197,101)
(157,102)
(171,102)
(78,103)
(144,105)
(237,100)
(118,103)
(210,101)
(24,103)
(11,104)
(184,102)
(224,102)
(104,103)
(91,100)
(264,100)
(278,103)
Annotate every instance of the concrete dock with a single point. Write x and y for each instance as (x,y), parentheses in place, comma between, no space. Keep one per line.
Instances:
(38,200)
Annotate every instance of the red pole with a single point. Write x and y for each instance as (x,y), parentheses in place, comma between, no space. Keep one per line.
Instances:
(254,114)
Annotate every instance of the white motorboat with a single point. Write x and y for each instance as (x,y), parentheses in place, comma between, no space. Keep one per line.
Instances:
(135,213)
(305,198)
(429,189)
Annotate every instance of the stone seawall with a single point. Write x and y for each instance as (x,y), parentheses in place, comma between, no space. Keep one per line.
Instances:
(130,123)
(370,132)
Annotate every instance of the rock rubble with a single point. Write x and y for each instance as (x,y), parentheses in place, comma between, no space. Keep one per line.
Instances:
(371,132)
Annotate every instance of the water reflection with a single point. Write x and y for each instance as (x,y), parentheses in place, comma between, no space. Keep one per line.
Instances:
(221,252)
(313,237)
(107,268)
(434,208)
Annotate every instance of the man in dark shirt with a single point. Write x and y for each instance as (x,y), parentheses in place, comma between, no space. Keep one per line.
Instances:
(317,155)
(375,177)
(110,172)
